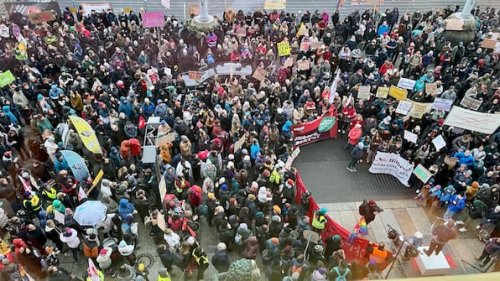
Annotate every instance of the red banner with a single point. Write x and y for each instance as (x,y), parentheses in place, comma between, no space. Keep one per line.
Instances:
(324,127)
(354,248)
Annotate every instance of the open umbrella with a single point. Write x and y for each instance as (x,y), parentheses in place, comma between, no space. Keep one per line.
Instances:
(90,213)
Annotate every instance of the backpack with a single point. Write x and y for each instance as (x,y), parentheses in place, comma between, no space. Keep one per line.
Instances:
(343,276)
(90,252)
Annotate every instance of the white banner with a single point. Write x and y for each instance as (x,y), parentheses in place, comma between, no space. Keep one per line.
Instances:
(392,164)
(98,7)
(485,123)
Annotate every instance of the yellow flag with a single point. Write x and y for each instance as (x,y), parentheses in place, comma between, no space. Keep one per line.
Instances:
(302,30)
(98,178)
(87,134)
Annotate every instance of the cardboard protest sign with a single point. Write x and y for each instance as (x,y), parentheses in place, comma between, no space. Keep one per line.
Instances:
(442,104)
(195,75)
(454,24)
(153,19)
(488,43)
(283,49)
(398,93)
(450,161)
(406,83)
(303,64)
(260,74)
(382,92)
(422,173)
(472,103)
(418,109)
(431,88)
(289,62)
(364,92)
(44,16)
(404,107)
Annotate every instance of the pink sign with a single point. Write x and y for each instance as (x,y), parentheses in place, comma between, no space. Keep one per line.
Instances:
(153,19)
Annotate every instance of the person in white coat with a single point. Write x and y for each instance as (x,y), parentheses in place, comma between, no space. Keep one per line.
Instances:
(104,258)
(127,251)
(70,238)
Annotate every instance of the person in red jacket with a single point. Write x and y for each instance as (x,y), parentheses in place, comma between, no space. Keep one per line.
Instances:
(353,137)
(385,67)
(348,113)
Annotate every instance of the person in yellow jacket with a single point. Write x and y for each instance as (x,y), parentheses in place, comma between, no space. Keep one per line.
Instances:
(163,275)
(33,202)
(319,220)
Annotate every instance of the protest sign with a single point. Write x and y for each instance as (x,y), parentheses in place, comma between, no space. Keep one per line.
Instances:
(472,103)
(488,43)
(59,217)
(382,92)
(153,19)
(283,49)
(274,4)
(322,128)
(450,161)
(442,104)
(392,164)
(431,89)
(316,45)
(406,83)
(260,74)
(194,75)
(454,24)
(439,142)
(303,64)
(302,30)
(411,137)
(398,93)
(485,123)
(98,7)
(422,173)
(418,109)
(241,32)
(404,107)
(239,144)
(6,78)
(127,9)
(166,4)
(44,16)
(364,92)
(288,62)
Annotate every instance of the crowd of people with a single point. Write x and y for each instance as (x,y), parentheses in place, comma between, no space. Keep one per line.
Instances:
(227,139)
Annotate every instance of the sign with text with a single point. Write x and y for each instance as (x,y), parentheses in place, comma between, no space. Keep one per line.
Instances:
(442,104)
(382,92)
(275,4)
(404,107)
(454,24)
(411,137)
(303,64)
(6,78)
(260,74)
(195,75)
(322,128)
(283,49)
(418,109)
(44,16)
(392,164)
(98,7)
(422,173)
(471,103)
(431,89)
(364,92)
(153,19)
(406,83)
(398,93)
(439,142)
(485,123)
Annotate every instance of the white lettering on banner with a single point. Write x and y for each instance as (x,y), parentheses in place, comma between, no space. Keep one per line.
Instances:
(392,164)
(485,123)
(306,138)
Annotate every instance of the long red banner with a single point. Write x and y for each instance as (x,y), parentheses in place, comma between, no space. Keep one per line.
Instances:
(324,127)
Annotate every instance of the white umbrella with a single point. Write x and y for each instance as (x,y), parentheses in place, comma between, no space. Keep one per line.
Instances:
(90,213)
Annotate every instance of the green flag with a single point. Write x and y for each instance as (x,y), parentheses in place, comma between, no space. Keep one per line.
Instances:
(6,78)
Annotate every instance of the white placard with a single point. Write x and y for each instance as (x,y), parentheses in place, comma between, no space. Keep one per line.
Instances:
(59,217)
(406,83)
(485,123)
(411,137)
(392,164)
(404,107)
(439,142)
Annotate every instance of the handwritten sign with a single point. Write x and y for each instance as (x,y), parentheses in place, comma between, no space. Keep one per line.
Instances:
(431,89)
(439,142)
(153,19)
(404,107)
(488,43)
(411,137)
(472,103)
(303,65)
(406,83)
(288,62)
(44,16)
(418,109)
(241,32)
(364,92)
(442,104)
(283,49)
(6,78)
(398,93)
(382,92)
(260,74)
(454,24)
(194,75)
(168,138)
(59,217)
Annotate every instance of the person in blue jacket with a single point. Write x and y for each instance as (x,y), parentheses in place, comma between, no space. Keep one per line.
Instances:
(465,158)
(383,28)
(455,206)
(254,149)
(125,208)
(287,128)
(55,92)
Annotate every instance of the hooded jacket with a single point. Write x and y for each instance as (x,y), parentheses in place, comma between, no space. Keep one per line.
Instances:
(125,208)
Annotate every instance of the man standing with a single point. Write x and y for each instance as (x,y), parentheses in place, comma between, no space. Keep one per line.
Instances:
(441,234)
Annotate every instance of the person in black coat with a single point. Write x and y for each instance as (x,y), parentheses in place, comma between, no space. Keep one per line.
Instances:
(221,260)
(368,209)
